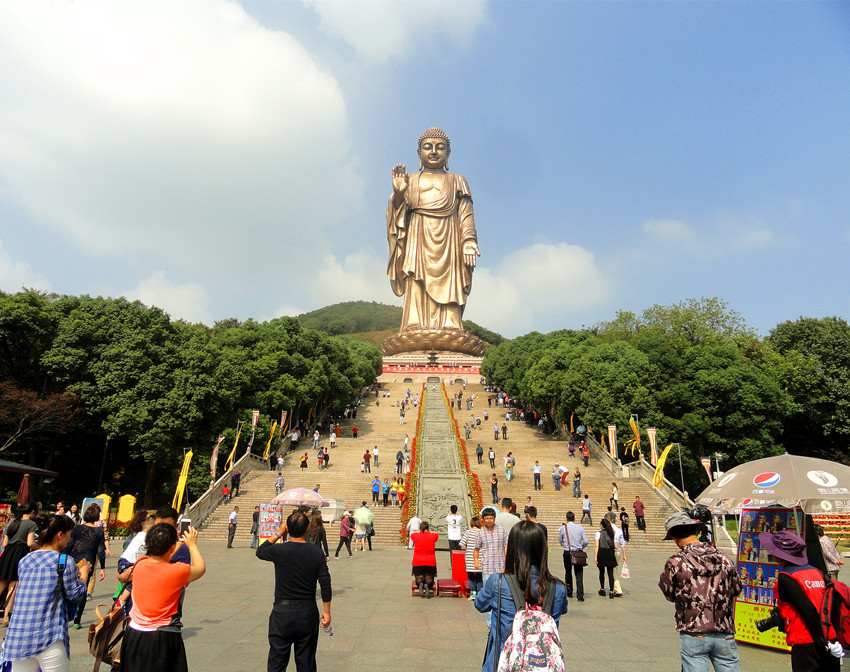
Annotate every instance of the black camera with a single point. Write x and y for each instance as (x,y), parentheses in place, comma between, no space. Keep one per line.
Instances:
(700,513)
(772,621)
(703,515)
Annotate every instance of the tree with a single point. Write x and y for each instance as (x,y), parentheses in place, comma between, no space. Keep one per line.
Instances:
(28,323)
(121,358)
(694,370)
(684,324)
(605,383)
(815,371)
(24,413)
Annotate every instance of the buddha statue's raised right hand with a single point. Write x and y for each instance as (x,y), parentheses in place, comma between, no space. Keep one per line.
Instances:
(400,180)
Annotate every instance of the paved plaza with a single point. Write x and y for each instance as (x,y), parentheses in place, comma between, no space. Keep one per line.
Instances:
(379,627)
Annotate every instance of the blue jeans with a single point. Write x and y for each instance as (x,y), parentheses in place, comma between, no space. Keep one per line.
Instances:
(721,649)
(576,488)
(475,581)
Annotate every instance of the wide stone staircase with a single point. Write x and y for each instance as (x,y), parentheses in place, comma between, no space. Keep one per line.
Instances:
(527,445)
(378,424)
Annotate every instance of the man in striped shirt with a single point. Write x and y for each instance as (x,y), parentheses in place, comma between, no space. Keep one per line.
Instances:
(489,553)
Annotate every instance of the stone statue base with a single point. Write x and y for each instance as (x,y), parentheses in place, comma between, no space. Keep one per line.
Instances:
(448,340)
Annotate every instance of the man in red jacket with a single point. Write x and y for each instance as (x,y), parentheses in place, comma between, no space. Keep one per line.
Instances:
(800,592)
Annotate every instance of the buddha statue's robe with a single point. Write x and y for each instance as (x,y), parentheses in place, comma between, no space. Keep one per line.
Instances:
(426,233)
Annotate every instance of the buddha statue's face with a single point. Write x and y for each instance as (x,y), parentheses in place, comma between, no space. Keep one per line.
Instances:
(434,153)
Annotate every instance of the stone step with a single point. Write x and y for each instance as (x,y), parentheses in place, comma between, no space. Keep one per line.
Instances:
(378,425)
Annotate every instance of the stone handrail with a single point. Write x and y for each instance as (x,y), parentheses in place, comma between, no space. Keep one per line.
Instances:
(607,461)
(212,498)
(669,492)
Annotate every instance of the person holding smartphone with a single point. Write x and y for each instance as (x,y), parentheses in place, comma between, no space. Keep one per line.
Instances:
(153,641)
(295,618)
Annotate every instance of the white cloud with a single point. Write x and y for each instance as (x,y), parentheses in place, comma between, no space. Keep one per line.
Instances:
(380,30)
(361,276)
(537,287)
(189,301)
(751,239)
(739,233)
(177,132)
(669,230)
(285,310)
(15,274)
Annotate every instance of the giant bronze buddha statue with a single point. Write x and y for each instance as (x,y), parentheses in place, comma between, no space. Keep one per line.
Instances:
(433,249)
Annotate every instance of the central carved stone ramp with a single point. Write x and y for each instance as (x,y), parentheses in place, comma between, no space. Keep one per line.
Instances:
(442,480)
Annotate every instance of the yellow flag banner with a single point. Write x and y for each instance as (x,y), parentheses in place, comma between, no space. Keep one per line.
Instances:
(658,477)
(269,444)
(633,444)
(652,433)
(572,423)
(612,441)
(181,482)
(229,462)
(602,440)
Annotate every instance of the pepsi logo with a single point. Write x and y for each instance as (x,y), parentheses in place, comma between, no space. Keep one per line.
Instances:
(767,480)
(746,503)
(825,505)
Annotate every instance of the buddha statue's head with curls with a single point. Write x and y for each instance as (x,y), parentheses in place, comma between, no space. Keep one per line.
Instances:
(434,148)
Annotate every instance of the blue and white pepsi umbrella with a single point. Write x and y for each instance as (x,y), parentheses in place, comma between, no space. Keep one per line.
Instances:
(816,486)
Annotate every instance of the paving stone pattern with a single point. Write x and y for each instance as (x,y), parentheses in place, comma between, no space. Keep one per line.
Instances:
(442,481)
(379,627)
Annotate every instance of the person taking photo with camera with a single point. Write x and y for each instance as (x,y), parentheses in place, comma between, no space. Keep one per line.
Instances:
(800,592)
(703,584)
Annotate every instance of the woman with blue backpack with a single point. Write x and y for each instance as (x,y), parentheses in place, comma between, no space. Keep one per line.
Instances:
(48,587)
(525,599)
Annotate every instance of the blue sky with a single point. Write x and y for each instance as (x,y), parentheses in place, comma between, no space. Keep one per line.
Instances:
(233,159)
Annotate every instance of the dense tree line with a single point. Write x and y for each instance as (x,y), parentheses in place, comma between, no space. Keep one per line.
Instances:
(700,375)
(113,391)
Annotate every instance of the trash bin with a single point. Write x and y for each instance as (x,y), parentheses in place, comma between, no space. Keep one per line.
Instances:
(459,566)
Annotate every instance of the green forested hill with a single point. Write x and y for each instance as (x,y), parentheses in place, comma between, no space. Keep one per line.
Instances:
(352,317)
(372,321)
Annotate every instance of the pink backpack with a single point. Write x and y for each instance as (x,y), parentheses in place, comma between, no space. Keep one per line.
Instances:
(534,643)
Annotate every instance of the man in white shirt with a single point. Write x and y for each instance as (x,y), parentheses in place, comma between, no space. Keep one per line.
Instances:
(413,526)
(585,509)
(619,545)
(506,520)
(278,483)
(573,538)
(280,462)
(231,526)
(536,470)
(375,455)
(455,531)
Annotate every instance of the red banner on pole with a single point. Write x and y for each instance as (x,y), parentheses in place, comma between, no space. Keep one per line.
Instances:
(706,462)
